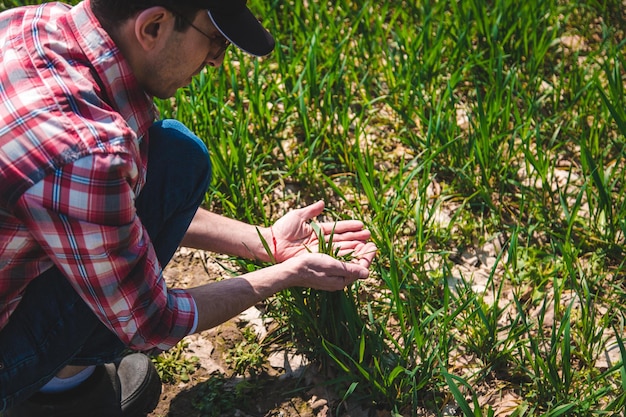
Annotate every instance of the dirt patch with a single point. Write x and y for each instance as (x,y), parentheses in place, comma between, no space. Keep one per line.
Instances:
(286,385)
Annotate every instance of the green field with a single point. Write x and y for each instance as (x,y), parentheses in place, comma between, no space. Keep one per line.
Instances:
(483,143)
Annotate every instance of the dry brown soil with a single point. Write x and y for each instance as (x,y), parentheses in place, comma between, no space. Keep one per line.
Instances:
(288,386)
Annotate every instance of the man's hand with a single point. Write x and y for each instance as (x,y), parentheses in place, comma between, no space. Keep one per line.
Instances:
(323,272)
(219,301)
(293,235)
(294,244)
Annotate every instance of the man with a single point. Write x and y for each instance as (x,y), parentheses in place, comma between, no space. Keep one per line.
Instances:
(95,197)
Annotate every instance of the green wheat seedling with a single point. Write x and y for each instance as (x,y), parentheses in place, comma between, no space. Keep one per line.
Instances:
(330,325)
(266,246)
(440,125)
(325,245)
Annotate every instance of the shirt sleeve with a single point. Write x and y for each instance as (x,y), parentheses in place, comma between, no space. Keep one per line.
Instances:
(84,217)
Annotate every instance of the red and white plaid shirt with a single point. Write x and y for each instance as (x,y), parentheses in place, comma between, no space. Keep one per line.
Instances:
(73,125)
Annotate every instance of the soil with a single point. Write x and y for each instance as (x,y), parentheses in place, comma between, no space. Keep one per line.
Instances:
(287,387)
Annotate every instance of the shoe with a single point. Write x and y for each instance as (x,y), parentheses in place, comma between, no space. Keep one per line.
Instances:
(129,388)
(140,385)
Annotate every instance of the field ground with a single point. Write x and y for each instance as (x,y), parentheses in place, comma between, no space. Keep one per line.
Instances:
(289,386)
(279,392)
(483,142)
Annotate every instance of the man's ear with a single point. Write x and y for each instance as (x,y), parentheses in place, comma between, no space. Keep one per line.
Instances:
(151,25)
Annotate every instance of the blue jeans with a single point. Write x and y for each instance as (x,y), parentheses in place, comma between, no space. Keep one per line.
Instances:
(52,327)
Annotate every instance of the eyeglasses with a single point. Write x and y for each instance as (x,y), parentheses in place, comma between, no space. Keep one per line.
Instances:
(216,38)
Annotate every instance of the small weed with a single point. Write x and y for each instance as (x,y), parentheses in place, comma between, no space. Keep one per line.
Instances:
(248,355)
(174,365)
(215,398)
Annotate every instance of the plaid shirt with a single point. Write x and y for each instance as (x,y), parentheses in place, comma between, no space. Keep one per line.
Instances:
(72,159)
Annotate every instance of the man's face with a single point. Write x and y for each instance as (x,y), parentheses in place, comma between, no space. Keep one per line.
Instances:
(183,56)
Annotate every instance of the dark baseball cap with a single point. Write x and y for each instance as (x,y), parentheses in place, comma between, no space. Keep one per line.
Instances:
(237,23)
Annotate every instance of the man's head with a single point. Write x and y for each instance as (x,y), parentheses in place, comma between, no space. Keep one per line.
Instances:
(231,17)
(166,42)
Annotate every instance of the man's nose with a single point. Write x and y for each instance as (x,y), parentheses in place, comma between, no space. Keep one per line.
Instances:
(215,61)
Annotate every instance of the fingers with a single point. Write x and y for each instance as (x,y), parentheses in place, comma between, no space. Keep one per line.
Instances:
(348,272)
(326,273)
(341,231)
(355,271)
(311,211)
(360,236)
(365,255)
(352,273)
(348,238)
(346,246)
(346,231)
(343,226)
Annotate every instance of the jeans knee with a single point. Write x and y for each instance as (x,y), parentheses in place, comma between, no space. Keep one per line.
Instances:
(184,150)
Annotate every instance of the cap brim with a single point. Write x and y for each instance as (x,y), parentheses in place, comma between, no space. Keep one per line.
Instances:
(244,31)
